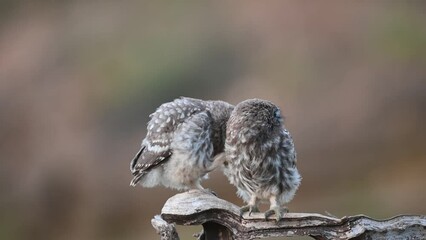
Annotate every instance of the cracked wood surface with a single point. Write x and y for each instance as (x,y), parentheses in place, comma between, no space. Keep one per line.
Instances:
(221,220)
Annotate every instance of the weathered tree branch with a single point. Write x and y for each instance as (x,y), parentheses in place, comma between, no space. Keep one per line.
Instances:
(167,231)
(221,220)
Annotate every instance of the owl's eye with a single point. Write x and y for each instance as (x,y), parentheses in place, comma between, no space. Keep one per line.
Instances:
(277,113)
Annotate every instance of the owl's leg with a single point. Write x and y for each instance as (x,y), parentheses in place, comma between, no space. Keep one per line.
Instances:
(275,208)
(251,207)
(195,186)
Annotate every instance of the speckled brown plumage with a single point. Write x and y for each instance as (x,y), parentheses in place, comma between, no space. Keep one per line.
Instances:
(183,138)
(261,159)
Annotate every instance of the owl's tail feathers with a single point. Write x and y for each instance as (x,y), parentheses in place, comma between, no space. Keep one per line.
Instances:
(135,161)
(137,178)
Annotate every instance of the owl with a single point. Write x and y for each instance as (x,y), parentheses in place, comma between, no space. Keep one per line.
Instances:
(183,143)
(260,157)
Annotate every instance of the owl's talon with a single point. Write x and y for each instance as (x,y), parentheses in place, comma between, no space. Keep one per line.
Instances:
(248,208)
(278,211)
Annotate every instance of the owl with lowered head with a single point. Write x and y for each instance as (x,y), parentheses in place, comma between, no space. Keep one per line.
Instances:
(184,138)
(260,157)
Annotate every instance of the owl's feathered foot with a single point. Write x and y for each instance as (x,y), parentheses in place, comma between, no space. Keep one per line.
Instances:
(278,211)
(248,208)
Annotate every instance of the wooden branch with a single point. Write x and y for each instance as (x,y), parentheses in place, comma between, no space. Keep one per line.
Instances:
(167,231)
(221,220)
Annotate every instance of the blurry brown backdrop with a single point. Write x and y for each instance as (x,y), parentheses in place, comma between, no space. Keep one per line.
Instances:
(78,80)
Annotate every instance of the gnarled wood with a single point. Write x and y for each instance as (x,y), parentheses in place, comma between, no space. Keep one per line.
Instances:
(221,220)
(167,231)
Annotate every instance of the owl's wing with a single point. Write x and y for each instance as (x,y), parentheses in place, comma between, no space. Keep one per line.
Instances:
(194,139)
(164,125)
(154,151)
(148,157)
(288,148)
(136,159)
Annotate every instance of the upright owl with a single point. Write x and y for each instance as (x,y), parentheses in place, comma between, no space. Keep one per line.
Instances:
(260,157)
(182,141)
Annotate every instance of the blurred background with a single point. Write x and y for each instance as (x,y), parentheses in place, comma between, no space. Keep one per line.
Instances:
(78,80)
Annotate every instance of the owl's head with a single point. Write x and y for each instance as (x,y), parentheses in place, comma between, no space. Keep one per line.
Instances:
(259,112)
(220,110)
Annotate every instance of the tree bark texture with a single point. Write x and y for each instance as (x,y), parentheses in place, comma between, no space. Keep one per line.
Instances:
(221,220)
